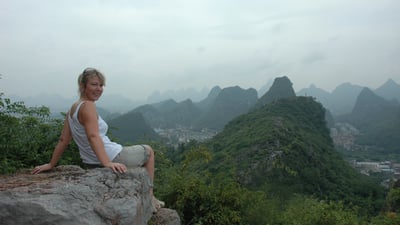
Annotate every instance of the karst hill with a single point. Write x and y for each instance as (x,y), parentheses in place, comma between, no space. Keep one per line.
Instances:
(284,147)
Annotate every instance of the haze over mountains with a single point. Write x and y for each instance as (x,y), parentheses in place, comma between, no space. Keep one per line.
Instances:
(377,119)
(339,101)
(343,97)
(373,115)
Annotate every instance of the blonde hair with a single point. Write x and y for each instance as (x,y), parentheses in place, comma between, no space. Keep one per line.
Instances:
(86,75)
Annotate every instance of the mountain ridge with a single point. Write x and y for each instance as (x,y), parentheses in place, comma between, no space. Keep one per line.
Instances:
(115,103)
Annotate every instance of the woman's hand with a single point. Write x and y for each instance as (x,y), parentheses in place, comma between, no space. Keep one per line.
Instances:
(41,168)
(116,167)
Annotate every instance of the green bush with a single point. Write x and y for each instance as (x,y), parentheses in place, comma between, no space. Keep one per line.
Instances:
(310,211)
(199,197)
(28,136)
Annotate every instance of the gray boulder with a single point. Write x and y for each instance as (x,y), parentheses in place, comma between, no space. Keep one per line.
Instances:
(70,195)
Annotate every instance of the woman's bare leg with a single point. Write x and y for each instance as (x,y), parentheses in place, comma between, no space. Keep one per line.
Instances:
(149,165)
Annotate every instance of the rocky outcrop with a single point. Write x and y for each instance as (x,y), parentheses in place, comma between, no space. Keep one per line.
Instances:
(70,195)
(165,217)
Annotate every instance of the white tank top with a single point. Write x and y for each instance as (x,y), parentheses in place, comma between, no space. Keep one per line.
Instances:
(79,135)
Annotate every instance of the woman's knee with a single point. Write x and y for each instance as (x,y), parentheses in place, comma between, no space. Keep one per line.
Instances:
(149,150)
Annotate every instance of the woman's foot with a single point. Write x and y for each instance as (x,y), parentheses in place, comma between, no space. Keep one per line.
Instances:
(157,204)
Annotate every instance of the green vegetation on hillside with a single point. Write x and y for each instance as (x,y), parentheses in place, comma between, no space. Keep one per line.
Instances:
(285,148)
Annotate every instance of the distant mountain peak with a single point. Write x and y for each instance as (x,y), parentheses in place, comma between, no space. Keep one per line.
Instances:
(311,90)
(390,81)
(389,90)
(281,88)
(215,89)
(369,102)
(346,85)
(367,93)
(320,94)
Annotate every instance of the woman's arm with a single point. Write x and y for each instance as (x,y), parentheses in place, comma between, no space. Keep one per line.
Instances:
(62,144)
(89,119)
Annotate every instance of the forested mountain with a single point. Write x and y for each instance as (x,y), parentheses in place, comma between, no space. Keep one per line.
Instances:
(377,119)
(284,147)
(131,127)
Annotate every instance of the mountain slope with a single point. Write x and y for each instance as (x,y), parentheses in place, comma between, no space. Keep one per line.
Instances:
(131,127)
(286,148)
(206,103)
(372,108)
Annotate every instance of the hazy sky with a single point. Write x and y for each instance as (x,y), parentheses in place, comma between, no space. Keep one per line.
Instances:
(147,45)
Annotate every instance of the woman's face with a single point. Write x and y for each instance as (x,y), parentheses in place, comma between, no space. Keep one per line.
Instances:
(93,89)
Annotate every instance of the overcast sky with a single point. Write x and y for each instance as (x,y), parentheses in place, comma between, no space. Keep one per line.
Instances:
(147,45)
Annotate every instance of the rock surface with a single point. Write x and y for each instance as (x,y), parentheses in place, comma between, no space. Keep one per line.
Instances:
(166,217)
(70,195)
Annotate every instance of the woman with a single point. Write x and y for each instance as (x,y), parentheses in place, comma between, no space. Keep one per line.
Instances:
(88,130)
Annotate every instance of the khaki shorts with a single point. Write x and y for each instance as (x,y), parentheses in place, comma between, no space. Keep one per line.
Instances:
(133,156)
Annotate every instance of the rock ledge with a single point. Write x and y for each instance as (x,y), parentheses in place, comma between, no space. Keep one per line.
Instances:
(70,195)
